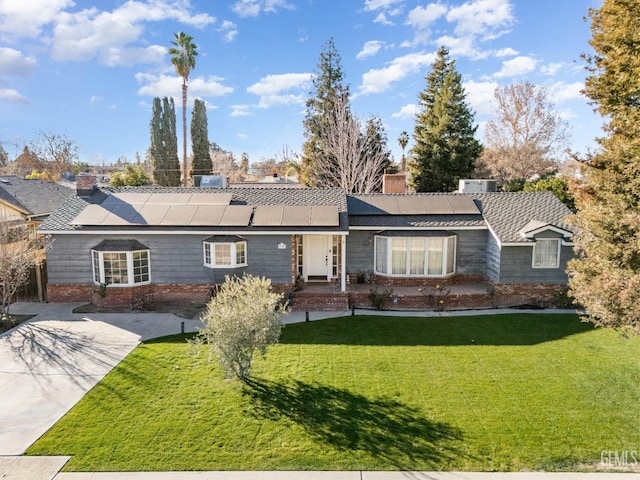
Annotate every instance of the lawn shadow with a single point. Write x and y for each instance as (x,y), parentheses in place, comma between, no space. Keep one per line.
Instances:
(385,429)
(504,329)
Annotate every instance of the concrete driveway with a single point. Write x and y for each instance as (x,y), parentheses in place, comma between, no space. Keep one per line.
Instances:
(48,363)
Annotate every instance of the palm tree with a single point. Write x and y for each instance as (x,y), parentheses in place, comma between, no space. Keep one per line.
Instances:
(183,57)
(403,139)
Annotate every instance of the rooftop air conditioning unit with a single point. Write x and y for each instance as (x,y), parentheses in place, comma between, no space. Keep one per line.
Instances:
(211,181)
(477,186)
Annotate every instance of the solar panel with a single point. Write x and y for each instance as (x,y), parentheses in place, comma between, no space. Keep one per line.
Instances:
(126,198)
(209,198)
(325,216)
(385,203)
(91,215)
(296,215)
(462,204)
(268,216)
(409,205)
(436,205)
(153,214)
(179,215)
(207,215)
(236,216)
(168,199)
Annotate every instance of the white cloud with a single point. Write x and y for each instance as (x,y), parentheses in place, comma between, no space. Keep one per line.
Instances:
(485,18)
(505,52)
(373,5)
(382,18)
(13,62)
(551,69)
(564,92)
(275,89)
(407,112)
(461,47)
(13,96)
(516,66)
(108,35)
(229,30)
(171,86)
(240,110)
(480,96)
(25,18)
(369,49)
(422,18)
(253,8)
(380,80)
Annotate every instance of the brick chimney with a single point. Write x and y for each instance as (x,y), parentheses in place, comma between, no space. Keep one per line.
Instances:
(85,184)
(394,183)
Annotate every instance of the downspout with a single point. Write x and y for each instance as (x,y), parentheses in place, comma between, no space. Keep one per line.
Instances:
(343,266)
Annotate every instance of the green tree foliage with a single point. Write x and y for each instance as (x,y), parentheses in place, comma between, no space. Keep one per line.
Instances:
(242,319)
(4,157)
(133,176)
(445,148)
(555,183)
(164,143)
(201,162)
(328,85)
(605,278)
(183,58)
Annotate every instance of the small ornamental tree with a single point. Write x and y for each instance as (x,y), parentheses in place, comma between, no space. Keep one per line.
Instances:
(242,319)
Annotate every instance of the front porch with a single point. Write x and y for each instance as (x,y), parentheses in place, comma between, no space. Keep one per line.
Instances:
(326,296)
(470,295)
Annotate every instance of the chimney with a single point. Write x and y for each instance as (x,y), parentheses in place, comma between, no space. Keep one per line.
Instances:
(394,183)
(85,184)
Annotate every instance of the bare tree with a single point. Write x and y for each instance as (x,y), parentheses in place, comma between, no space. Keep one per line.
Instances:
(352,157)
(19,253)
(526,138)
(58,151)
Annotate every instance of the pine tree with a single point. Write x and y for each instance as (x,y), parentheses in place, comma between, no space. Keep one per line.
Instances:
(201,161)
(445,148)
(605,278)
(328,85)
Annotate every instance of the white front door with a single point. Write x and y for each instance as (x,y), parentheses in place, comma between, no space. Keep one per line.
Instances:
(316,257)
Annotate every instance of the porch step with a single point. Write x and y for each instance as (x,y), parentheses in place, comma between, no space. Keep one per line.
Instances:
(320,302)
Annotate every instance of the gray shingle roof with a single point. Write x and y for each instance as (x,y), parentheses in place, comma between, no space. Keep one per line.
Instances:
(507,213)
(36,197)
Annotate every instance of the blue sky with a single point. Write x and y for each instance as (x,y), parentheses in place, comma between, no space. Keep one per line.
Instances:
(90,69)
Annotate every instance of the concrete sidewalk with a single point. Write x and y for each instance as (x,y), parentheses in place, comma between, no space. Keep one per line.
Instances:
(48,363)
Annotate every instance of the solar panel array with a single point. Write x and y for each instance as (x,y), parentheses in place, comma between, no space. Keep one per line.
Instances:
(199,209)
(166,209)
(420,204)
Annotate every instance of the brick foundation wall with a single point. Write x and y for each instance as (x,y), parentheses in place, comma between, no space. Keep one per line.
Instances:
(539,295)
(419,282)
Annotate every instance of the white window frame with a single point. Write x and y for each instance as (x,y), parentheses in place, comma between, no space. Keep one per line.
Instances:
(209,254)
(384,243)
(538,245)
(100,274)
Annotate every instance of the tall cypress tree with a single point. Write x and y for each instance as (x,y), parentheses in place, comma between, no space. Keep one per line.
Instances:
(201,163)
(445,148)
(328,84)
(605,279)
(164,143)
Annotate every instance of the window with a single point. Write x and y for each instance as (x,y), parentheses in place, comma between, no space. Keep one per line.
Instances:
(225,252)
(546,253)
(120,262)
(415,256)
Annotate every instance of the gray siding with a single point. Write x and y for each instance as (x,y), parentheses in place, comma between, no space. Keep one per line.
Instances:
(174,259)
(493,258)
(515,266)
(359,251)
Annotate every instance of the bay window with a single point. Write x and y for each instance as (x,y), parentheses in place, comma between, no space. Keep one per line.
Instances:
(225,252)
(120,262)
(432,256)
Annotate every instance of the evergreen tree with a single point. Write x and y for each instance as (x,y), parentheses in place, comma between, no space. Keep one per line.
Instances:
(201,161)
(164,143)
(377,137)
(328,85)
(244,163)
(445,148)
(605,278)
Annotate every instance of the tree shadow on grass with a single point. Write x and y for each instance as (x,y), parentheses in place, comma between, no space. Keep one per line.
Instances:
(385,429)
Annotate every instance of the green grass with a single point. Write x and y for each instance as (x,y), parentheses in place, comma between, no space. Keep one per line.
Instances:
(512,392)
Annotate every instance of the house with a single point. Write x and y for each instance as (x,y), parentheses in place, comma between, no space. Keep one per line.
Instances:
(131,245)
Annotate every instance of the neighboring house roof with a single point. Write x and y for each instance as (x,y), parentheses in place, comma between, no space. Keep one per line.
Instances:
(234,208)
(509,214)
(34,198)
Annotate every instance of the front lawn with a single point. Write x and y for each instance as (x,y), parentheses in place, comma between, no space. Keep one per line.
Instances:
(509,392)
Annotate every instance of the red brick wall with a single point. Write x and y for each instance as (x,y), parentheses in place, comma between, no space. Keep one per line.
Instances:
(394,183)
